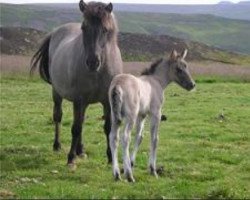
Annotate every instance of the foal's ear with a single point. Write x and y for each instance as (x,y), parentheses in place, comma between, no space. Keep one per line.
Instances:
(173,55)
(109,7)
(184,54)
(82,5)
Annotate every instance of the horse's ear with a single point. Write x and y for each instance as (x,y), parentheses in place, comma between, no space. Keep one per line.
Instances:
(82,5)
(109,7)
(184,54)
(173,55)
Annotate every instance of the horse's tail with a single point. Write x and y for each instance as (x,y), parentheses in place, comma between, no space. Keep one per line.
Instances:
(116,104)
(42,57)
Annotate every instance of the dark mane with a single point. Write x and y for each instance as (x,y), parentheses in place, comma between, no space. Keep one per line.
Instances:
(152,68)
(96,13)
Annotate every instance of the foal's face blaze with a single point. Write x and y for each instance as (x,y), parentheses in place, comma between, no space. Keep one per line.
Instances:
(182,75)
(95,34)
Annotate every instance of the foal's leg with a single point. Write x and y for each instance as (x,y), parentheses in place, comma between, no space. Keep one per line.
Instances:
(57,117)
(155,120)
(114,142)
(138,137)
(126,158)
(107,128)
(76,130)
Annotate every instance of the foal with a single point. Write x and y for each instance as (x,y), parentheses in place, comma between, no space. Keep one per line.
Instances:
(133,98)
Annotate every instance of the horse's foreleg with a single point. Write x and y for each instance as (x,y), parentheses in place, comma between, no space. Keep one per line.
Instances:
(107,129)
(57,117)
(138,137)
(155,120)
(76,130)
(80,147)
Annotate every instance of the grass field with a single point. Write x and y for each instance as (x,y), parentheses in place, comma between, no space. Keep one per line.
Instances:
(204,146)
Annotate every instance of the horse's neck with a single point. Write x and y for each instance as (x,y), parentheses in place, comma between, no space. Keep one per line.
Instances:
(162,75)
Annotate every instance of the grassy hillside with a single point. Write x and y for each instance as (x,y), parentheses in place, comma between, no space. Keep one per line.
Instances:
(220,32)
(204,147)
(225,33)
(134,46)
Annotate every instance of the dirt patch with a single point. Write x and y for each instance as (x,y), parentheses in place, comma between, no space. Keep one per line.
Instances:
(134,47)
(21,65)
(198,68)
(14,64)
(19,41)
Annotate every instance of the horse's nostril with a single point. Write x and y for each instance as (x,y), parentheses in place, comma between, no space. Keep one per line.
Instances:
(88,62)
(193,85)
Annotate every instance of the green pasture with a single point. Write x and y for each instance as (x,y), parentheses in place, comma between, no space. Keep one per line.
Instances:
(204,146)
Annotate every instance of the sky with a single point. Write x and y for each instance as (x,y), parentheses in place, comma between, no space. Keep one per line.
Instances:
(122,1)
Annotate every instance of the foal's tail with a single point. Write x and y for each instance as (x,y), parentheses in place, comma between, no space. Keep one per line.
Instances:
(42,57)
(116,104)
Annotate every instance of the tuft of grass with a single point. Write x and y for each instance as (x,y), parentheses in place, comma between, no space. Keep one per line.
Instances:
(204,146)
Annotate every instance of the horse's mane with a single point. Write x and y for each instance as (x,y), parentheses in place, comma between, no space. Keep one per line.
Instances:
(152,68)
(96,11)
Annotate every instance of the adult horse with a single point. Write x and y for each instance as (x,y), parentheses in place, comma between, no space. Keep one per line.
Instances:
(79,61)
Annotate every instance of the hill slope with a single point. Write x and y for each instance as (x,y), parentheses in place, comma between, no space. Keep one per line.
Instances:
(134,47)
(232,11)
(224,33)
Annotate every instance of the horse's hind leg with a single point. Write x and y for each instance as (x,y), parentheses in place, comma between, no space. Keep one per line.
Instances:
(138,137)
(114,142)
(57,117)
(125,143)
(107,129)
(155,120)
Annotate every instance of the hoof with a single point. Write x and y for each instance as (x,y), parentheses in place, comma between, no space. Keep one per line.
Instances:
(79,150)
(130,179)
(72,167)
(153,172)
(117,177)
(71,159)
(56,146)
(83,155)
(160,170)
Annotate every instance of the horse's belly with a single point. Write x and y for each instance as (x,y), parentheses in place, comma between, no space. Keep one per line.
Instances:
(85,92)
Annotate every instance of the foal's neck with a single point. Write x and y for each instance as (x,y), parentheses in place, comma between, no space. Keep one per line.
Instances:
(162,74)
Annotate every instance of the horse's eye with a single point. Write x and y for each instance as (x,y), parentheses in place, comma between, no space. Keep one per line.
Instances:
(179,71)
(104,30)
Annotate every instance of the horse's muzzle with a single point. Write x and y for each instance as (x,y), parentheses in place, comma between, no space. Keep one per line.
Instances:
(93,63)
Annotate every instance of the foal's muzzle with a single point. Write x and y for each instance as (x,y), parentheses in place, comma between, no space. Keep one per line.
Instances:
(93,63)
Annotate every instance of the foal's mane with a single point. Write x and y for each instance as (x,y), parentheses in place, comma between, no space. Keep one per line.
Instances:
(153,67)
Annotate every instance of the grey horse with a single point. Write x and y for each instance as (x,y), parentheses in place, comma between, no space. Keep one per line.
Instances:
(79,61)
(133,98)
